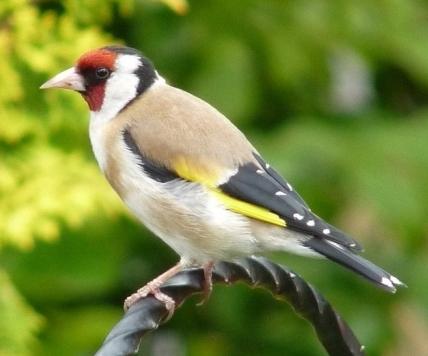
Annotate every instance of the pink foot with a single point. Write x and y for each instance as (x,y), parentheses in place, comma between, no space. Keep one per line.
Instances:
(153,289)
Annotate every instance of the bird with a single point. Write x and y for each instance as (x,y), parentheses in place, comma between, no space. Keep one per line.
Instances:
(192,177)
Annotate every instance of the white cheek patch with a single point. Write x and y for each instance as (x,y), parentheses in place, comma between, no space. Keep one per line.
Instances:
(120,88)
(127,63)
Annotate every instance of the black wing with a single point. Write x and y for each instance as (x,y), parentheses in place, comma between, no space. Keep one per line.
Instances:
(266,188)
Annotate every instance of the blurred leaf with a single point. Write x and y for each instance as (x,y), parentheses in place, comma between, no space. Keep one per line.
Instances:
(179,6)
(18,322)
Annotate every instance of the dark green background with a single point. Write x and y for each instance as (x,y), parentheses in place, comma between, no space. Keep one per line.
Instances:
(332,93)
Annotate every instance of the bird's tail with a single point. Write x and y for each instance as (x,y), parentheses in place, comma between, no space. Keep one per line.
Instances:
(354,262)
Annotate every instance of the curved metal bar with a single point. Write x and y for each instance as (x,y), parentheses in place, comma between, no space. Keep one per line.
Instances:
(148,313)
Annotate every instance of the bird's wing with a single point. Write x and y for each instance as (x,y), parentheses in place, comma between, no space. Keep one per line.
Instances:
(260,185)
(264,187)
(186,171)
(253,189)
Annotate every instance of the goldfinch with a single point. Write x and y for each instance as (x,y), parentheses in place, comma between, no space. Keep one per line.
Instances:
(191,177)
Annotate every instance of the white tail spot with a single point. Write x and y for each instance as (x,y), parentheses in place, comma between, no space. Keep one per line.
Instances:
(326,231)
(387,282)
(395,280)
(279,193)
(310,223)
(298,216)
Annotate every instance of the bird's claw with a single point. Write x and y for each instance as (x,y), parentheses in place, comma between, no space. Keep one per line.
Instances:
(151,288)
(208,282)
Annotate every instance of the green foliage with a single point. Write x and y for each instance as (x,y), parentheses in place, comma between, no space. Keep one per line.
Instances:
(334,94)
(18,323)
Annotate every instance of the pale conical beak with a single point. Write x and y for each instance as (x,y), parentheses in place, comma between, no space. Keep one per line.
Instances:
(68,79)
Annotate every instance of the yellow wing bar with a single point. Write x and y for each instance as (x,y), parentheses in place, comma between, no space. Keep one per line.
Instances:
(250,210)
(209,178)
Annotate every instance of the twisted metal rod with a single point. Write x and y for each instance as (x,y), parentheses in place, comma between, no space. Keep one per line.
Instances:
(148,313)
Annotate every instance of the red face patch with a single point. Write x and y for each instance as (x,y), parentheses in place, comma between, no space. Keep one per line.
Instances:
(87,65)
(95,59)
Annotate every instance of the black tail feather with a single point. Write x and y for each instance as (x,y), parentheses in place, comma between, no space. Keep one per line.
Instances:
(355,263)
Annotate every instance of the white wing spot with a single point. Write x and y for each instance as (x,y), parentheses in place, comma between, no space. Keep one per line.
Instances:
(259,171)
(279,193)
(310,223)
(267,165)
(290,188)
(297,216)
(326,231)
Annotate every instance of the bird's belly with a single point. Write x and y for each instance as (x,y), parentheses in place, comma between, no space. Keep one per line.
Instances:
(190,221)
(184,215)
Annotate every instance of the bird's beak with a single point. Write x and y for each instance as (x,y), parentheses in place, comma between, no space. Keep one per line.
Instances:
(68,79)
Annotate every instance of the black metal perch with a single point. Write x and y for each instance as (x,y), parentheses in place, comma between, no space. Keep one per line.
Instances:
(148,313)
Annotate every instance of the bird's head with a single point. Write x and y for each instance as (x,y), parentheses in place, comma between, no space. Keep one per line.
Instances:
(108,78)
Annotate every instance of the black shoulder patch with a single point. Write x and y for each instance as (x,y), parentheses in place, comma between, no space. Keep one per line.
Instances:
(153,170)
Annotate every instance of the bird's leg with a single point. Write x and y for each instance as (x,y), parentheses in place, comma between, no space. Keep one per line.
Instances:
(153,288)
(208,281)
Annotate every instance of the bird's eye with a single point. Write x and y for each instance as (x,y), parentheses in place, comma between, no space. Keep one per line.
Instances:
(102,73)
